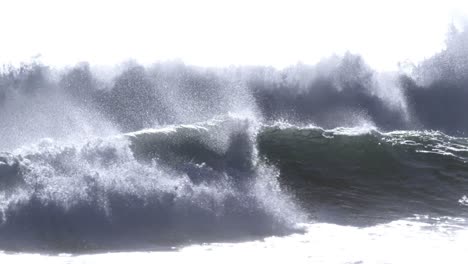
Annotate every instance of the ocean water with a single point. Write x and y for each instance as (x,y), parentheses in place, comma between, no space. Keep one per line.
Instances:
(332,163)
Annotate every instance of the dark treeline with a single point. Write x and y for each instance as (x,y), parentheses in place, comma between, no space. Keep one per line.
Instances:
(338,91)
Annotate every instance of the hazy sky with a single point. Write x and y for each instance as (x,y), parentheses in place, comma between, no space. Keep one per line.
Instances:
(219,33)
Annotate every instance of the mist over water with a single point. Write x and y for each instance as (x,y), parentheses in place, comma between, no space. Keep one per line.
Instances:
(338,91)
(171,154)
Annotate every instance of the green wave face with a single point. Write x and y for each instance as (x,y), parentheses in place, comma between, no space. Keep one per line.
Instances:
(350,175)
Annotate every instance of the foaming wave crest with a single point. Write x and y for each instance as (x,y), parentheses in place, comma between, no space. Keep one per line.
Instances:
(108,192)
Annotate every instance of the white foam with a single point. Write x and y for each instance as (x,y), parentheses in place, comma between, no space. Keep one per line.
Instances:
(402,241)
(464,200)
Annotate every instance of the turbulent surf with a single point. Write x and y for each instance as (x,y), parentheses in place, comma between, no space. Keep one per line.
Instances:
(170,155)
(227,179)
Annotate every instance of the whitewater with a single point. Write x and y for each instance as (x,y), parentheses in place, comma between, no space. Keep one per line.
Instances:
(330,163)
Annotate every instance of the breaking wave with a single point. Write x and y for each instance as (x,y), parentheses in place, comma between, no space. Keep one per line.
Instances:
(227,178)
(361,175)
(153,187)
(157,156)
